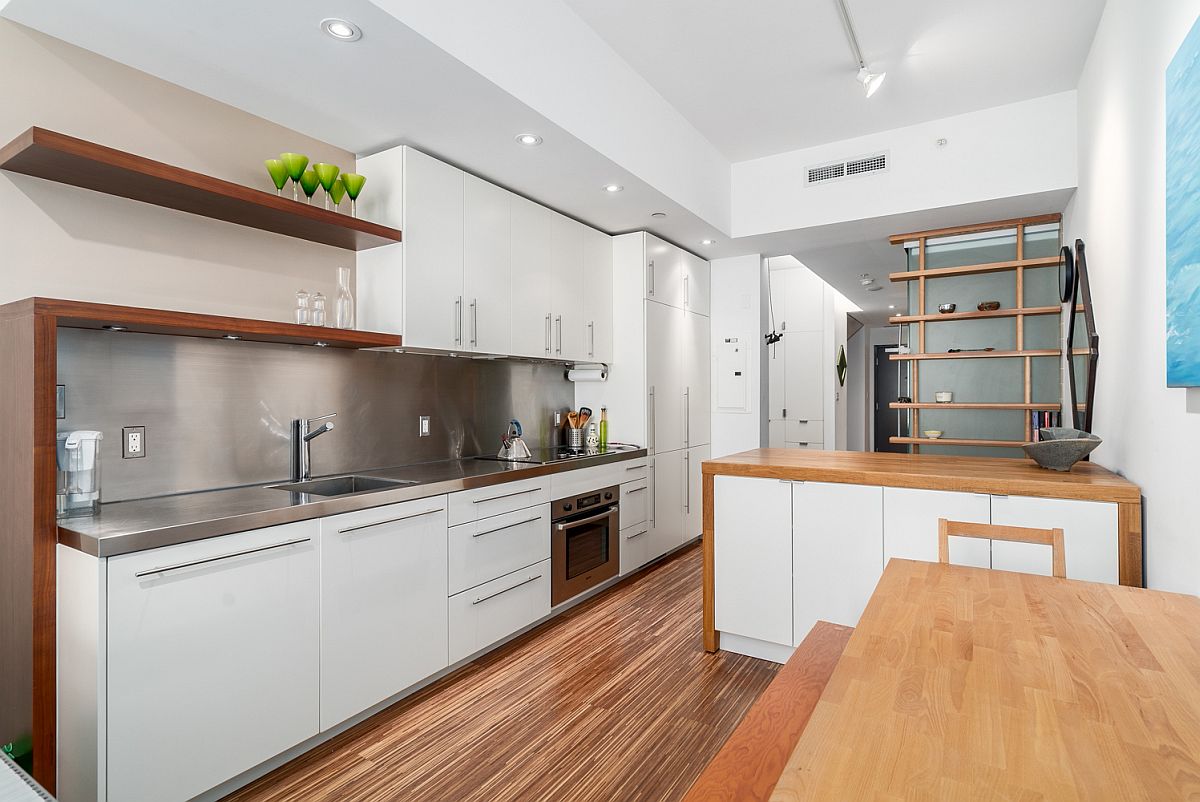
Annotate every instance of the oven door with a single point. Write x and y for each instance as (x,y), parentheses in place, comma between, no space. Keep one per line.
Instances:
(584,553)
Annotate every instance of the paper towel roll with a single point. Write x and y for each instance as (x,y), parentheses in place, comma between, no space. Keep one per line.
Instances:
(588,375)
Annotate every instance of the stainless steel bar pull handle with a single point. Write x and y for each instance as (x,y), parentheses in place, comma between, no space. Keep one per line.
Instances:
(591,519)
(558,328)
(458,321)
(651,429)
(506,526)
(591,338)
(636,534)
(650,281)
(388,521)
(547,333)
(506,590)
(506,495)
(687,482)
(474,321)
(635,490)
(177,566)
(687,416)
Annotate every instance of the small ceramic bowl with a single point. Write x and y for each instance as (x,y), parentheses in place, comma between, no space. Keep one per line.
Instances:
(932,434)
(943,396)
(988,306)
(946,309)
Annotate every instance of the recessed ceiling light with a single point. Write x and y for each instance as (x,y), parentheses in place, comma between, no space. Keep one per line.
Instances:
(613,188)
(891,306)
(708,242)
(342,30)
(529,140)
(658,214)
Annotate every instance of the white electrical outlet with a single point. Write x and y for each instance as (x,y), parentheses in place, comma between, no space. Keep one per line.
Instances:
(424,430)
(133,442)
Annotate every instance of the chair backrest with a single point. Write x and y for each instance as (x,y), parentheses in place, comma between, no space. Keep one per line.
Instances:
(1020,534)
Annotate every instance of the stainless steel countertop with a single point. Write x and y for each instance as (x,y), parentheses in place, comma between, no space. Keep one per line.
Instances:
(128,526)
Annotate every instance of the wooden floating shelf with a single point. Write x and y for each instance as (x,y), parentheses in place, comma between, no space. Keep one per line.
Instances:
(996,225)
(976,405)
(972,270)
(81,315)
(1028,311)
(67,160)
(985,354)
(951,441)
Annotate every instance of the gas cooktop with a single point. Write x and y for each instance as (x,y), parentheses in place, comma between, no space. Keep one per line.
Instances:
(546,456)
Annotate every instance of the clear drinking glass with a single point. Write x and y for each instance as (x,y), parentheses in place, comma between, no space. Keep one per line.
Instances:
(343,310)
(303,310)
(318,309)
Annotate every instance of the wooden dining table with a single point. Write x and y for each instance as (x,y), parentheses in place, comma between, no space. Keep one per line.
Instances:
(974,684)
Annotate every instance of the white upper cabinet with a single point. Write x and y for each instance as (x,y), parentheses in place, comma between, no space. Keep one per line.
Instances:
(487,271)
(696,275)
(433,255)
(532,294)
(697,371)
(664,272)
(598,295)
(566,279)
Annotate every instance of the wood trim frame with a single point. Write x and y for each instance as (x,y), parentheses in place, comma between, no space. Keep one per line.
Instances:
(751,761)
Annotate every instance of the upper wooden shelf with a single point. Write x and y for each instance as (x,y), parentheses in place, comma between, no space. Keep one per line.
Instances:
(955,441)
(985,354)
(67,160)
(995,225)
(977,405)
(83,315)
(1027,311)
(971,270)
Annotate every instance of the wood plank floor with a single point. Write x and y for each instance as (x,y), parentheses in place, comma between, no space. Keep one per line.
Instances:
(614,700)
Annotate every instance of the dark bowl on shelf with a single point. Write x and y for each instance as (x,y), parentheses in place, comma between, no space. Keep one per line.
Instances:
(1060,448)
(988,306)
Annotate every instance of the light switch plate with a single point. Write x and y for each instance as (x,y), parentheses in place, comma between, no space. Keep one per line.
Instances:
(424,426)
(133,442)
(60,401)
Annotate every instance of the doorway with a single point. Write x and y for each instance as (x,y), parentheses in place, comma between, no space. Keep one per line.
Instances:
(891,383)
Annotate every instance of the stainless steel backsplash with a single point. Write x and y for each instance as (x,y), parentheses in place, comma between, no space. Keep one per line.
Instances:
(218,413)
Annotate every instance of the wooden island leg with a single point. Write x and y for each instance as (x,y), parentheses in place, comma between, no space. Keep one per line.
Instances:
(1129,543)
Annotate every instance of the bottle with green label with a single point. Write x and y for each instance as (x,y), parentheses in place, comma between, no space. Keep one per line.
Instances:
(603,428)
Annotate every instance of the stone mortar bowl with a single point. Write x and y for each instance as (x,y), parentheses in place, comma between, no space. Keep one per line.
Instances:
(1060,448)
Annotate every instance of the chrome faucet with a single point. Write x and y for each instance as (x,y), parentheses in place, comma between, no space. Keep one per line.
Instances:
(302,435)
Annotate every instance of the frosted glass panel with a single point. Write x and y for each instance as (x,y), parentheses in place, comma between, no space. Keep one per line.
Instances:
(998,333)
(968,291)
(1041,241)
(995,246)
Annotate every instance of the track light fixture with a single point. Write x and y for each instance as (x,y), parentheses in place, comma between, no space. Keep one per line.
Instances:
(871,81)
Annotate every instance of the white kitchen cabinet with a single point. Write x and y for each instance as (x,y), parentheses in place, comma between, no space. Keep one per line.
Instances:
(666,503)
(217,643)
(697,378)
(776,382)
(696,279)
(803,388)
(494,610)
(1089,535)
(693,491)
(837,552)
(635,543)
(752,550)
(910,529)
(531,296)
(484,502)
(666,330)
(598,295)
(487,268)
(483,550)
(635,503)
(566,279)
(433,252)
(664,273)
(383,604)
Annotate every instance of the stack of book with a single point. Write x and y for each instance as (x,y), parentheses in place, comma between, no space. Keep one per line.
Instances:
(1043,420)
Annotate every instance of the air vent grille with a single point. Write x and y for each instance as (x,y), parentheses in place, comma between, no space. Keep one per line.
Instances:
(876,162)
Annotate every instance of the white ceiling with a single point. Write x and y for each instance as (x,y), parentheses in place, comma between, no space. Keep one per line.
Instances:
(767,76)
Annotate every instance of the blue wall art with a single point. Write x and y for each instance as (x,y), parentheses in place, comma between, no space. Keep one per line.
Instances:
(1183,213)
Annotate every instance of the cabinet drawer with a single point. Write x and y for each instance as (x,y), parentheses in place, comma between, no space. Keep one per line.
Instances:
(492,547)
(635,503)
(635,547)
(217,642)
(481,616)
(484,502)
(583,480)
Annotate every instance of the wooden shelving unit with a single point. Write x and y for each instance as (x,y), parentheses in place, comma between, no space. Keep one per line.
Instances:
(67,160)
(921,318)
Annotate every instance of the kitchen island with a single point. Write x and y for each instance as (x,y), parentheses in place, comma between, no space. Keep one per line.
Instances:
(793,536)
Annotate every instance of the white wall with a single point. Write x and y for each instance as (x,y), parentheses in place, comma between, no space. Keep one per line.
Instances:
(858,377)
(61,241)
(737,312)
(1119,211)
(1001,152)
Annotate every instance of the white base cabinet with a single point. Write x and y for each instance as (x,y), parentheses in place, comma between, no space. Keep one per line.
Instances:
(213,660)
(666,503)
(383,604)
(1089,535)
(693,492)
(494,610)
(837,553)
(910,529)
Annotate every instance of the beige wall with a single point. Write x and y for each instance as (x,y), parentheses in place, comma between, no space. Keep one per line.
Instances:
(61,241)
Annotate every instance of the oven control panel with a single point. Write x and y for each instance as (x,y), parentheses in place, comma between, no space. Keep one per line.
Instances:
(587,501)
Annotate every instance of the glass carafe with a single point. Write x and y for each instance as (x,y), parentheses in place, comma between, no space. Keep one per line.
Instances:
(343,310)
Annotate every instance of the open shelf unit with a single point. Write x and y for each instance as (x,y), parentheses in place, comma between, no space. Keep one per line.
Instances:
(67,160)
(919,318)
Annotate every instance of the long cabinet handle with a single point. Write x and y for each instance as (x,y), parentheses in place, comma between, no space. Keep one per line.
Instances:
(558,328)
(650,427)
(506,590)
(506,495)
(651,282)
(475,321)
(687,482)
(547,333)
(637,467)
(687,417)
(636,534)
(591,338)
(162,569)
(506,526)
(635,490)
(389,521)
(591,519)
(458,321)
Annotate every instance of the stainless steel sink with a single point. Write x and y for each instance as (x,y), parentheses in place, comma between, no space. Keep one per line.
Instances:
(342,485)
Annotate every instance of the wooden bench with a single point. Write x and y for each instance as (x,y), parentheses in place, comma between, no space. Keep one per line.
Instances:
(749,764)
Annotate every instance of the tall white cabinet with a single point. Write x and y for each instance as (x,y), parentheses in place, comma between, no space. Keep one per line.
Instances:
(800,366)
(481,269)
(659,386)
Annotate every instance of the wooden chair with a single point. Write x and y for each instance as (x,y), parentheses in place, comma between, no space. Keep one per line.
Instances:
(1019,534)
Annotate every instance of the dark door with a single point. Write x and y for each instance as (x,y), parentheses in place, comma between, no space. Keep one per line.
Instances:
(891,382)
